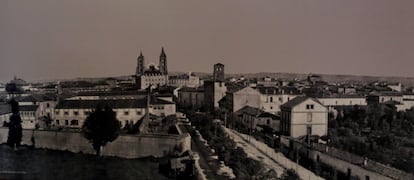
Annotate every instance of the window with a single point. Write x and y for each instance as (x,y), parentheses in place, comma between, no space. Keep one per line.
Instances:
(271,107)
(288,98)
(309,117)
(47,105)
(86,113)
(139,112)
(271,99)
(280,99)
(126,113)
(268,121)
(57,112)
(66,113)
(74,122)
(57,121)
(309,106)
(66,122)
(75,113)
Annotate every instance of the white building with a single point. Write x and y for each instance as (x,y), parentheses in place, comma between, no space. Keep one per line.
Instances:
(72,113)
(267,99)
(343,100)
(5,113)
(185,80)
(303,116)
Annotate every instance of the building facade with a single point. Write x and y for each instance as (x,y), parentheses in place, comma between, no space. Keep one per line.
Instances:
(72,113)
(191,98)
(152,76)
(185,80)
(304,116)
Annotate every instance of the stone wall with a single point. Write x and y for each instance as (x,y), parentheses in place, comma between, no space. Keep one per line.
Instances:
(126,146)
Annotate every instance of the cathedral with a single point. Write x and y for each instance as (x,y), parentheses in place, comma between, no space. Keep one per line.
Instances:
(152,75)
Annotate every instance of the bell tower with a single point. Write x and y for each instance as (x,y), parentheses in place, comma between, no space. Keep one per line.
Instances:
(140,65)
(163,62)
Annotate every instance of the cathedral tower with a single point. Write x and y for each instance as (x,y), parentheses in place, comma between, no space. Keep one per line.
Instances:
(163,62)
(140,65)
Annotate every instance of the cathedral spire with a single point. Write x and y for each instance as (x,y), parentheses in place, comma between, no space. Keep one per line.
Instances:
(163,62)
(140,64)
(162,52)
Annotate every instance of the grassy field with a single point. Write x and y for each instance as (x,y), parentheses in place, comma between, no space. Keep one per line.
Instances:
(27,163)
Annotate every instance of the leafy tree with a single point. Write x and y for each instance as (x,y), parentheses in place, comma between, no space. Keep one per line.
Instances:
(15,126)
(12,88)
(289,174)
(101,127)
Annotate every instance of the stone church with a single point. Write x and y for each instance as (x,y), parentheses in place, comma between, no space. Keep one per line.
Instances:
(152,75)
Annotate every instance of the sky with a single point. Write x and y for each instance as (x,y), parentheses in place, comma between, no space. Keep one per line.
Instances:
(53,39)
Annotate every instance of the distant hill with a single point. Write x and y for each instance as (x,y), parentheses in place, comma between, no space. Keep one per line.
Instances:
(406,81)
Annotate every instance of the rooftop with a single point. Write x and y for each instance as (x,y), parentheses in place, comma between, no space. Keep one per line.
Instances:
(116,104)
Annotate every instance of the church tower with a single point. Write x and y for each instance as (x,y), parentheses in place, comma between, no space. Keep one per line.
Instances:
(163,62)
(140,65)
(218,74)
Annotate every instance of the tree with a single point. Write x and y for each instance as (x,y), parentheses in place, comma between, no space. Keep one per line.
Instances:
(289,174)
(15,126)
(12,88)
(101,127)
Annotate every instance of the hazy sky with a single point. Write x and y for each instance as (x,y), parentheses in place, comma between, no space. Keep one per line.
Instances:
(47,39)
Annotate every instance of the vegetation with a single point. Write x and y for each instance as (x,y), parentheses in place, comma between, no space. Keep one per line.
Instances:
(15,126)
(378,132)
(289,174)
(101,127)
(234,157)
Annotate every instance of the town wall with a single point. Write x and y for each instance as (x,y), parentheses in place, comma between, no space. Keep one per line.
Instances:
(125,146)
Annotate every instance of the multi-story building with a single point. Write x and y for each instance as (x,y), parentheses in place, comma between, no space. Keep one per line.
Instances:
(303,116)
(191,97)
(343,100)
(153,76)
(185,80)
(252,118)
(215,90)
(35,109)
(72,113)
(267,99)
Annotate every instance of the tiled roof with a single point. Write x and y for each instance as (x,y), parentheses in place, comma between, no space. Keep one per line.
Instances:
(116,104)
(36,98)
(111,93)
(277,90)
(270,115)
(28,108)
(296,101)
(190,89)
(249,110)
(5,108)
(256,112)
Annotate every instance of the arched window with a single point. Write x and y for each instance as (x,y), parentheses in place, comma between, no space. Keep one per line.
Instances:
(271,99)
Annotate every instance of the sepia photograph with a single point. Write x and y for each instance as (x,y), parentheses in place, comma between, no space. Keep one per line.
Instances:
(207,90)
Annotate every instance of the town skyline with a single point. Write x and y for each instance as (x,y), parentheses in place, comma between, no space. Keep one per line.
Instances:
(63,40)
